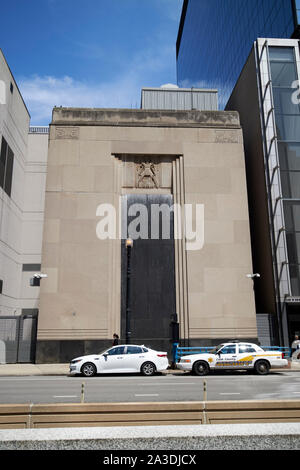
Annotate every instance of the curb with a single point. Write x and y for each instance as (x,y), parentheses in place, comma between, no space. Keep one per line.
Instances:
(23,370)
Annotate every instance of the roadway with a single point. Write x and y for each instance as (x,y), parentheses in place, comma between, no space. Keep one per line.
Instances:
(159,388)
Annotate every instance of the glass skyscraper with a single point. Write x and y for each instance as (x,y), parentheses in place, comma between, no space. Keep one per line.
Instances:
(286,102)
(298,10)
(215,38)
(267,97)
(249,50)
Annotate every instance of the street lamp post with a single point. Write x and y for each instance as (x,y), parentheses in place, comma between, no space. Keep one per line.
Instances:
(253,277)
(129,244)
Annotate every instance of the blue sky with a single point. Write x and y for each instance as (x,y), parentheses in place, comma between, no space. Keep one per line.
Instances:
(92,53)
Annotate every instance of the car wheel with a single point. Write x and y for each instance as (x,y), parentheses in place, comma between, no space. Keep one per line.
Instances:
(148,368)
(88,369)
(201,368)
(262,367)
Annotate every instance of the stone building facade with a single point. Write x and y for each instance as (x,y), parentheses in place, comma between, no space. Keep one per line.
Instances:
(116,158)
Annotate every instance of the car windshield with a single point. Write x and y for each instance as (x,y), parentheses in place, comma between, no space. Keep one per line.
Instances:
(216,349)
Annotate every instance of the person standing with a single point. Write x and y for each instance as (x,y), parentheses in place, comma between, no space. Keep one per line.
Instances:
(295,344)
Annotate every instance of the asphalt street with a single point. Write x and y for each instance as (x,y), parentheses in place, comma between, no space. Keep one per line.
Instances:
(159,388)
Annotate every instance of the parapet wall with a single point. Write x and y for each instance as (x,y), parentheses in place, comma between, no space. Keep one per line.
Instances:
(145,118)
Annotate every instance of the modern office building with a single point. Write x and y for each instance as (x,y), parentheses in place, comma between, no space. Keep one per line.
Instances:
(215,49)
(267,97)
(215,38)
(112,168)
(23,160)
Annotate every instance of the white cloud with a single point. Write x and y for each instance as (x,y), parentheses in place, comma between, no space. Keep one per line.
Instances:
(42,93)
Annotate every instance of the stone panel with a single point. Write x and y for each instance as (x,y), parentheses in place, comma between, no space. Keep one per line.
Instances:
(197,158)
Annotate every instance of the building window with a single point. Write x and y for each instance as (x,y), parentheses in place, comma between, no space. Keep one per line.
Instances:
(31,267)
(284,75)
(292,226)
(6,166)
(283,66)
(287,117)
(289,159)
(298,10)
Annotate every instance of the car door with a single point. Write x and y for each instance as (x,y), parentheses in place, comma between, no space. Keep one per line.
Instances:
(227,357)
(114,360)
(135,358)
(246,355)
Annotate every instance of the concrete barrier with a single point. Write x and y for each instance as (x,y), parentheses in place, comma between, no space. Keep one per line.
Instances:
(152,439)
(145,414)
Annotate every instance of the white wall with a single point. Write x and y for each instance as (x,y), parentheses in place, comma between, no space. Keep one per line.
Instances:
(33,213)
(21,214)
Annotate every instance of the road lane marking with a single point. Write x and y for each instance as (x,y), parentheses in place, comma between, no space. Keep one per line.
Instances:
(229,393)
(65,396)
(169,383)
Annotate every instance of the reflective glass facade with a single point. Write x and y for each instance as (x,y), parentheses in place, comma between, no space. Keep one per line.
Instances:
(287,118)
(298,10)
(216,36)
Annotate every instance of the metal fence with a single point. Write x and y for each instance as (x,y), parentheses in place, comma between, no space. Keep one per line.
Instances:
(178,351)
(38,130)
(179,99)
(17,338)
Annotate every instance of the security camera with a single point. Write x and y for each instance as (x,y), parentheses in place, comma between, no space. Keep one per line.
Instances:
(40,275)
(35,280)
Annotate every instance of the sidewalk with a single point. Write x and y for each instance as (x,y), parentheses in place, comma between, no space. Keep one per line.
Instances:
(49,369)
(63,369)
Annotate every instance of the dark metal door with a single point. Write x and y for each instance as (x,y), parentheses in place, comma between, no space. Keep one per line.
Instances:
(18,338)
(27,338)
(9,333)
(152,277)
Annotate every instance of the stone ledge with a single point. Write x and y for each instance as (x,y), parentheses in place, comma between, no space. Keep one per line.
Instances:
(146,118)
(278,436)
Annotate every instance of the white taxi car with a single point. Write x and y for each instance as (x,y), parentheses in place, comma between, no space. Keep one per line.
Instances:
(233,356)
(121,359)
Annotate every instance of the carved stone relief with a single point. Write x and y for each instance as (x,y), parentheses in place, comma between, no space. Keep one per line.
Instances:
(226,136)
(67,132)
(149,172)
